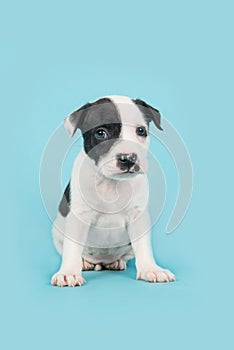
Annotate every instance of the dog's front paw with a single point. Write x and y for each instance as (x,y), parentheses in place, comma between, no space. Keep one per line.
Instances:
(70,280)
(156,274)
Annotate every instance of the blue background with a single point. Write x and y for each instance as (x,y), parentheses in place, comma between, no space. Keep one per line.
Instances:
(178,56)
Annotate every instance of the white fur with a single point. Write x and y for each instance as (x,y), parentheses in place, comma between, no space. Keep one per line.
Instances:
(107,213)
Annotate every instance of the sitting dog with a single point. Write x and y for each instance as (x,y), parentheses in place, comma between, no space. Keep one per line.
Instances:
(103,220)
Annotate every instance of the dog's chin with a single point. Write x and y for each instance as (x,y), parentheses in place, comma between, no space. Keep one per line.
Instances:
(123,175)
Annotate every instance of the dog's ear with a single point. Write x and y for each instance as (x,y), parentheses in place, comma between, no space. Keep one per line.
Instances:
(75,119)
(150,113)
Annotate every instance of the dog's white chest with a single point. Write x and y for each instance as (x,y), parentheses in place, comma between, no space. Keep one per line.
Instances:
(108,230)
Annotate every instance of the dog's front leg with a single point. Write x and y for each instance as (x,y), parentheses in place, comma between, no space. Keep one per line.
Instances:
(75,236)
(147,269)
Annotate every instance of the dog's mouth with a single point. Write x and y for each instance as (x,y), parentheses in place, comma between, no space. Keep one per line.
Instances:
(129,172)
(135,170)
(118,173)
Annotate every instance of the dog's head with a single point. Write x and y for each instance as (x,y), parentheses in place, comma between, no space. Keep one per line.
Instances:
(115,130)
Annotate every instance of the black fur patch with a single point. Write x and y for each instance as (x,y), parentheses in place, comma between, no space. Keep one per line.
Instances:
(101,113)
(94,147)
(64,206)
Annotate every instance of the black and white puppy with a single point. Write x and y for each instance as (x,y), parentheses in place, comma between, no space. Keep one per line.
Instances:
(103,219)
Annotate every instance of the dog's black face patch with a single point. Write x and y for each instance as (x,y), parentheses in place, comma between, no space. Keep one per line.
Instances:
(96,146)
(100,117)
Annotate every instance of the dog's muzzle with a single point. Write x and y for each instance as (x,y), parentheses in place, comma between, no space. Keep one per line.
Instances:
(127,162)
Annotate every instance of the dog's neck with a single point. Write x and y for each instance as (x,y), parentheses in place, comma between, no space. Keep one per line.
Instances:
(106,194)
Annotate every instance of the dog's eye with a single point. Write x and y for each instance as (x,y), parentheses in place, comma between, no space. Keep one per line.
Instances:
(141,131)
(101,134)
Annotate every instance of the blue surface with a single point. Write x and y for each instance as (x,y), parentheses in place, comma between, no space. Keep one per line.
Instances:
(178,56)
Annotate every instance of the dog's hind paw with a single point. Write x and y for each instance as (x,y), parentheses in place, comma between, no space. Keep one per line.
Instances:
(87,266)
(116,265)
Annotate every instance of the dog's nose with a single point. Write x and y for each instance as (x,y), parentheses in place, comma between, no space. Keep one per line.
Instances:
(126,160)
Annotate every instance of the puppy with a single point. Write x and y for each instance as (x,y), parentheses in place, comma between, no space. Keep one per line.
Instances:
(103,219)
